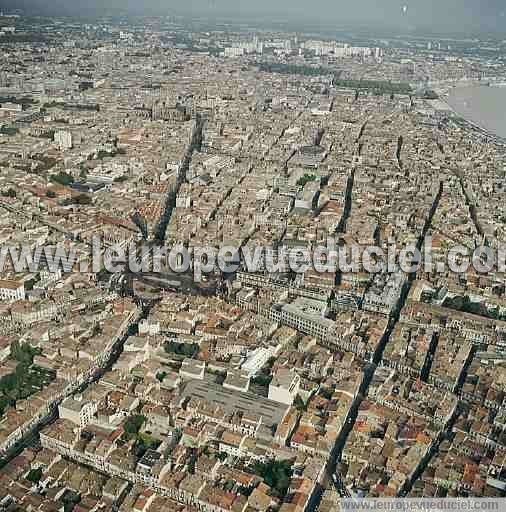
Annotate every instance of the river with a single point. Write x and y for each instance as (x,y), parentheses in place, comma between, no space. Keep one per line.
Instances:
(482,105)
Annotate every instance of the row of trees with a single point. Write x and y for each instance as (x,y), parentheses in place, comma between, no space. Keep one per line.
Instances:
(379,86)
(80,199)
(293,69)
(62,178)
(9,131)
(465,305)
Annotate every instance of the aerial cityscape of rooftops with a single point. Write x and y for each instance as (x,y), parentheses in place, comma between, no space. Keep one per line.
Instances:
(175,183)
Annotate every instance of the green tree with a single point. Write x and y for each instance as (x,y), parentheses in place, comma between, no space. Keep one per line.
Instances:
(9,193)
(34,475)
(299,404)
(181,349)
(305,179)
(326,393)
(80,199)
(23,352)
(62,178)
(161,376)
(276,474)
(262,380)
(133,424)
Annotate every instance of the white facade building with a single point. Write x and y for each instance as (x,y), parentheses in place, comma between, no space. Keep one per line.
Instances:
(11,290)
(77,411)
(257,360)
(192,369)
(64,139)
(284,386)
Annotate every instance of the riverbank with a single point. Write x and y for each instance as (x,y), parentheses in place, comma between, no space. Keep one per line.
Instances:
(481,107)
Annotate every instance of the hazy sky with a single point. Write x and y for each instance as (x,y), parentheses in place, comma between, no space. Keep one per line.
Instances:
(453,15)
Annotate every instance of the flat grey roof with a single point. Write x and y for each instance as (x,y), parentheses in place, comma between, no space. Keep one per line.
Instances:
(272,412)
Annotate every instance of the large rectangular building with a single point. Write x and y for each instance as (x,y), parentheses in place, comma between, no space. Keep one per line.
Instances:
(270,412)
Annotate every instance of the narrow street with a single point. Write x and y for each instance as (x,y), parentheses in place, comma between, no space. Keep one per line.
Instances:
(335,457)
(170,200)
(113,353)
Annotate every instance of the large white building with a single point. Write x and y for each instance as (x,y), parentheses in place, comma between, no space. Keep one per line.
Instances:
(305,315)
(234,52)
(64,139)
(237,380)
(11,290)
(77,411)
(192,369)
(257,360)
(284,386)
(149,327)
